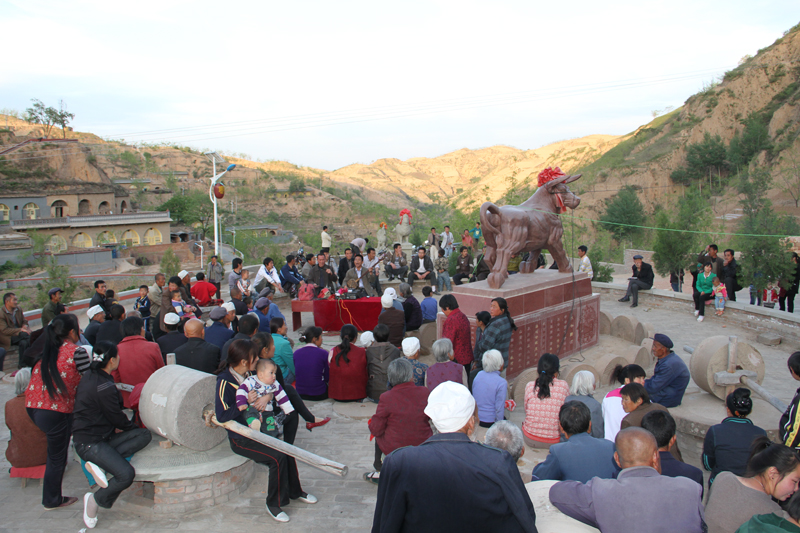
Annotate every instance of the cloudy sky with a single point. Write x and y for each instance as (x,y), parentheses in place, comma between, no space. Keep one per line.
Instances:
(327,84)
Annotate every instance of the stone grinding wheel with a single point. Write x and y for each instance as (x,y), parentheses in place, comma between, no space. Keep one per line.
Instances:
(172,405)
(605,322)
(624,327)
(568,372)
(606,365)
(638,355)
(711,356)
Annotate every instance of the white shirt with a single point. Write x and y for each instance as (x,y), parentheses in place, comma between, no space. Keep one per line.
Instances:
(358,273)
(361,243)
(271,276)
(326,239)
(369,263)
(447,239)
(421,268)
(586,266)
(613,413)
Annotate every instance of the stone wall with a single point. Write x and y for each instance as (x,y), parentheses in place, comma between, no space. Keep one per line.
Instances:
(156,252)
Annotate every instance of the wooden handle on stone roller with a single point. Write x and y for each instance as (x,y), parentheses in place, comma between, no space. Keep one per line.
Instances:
(332,467)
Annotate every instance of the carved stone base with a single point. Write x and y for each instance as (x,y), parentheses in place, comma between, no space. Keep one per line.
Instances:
(552,312)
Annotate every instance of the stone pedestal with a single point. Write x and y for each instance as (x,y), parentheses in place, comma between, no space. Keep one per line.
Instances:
(408,249)
(554,312)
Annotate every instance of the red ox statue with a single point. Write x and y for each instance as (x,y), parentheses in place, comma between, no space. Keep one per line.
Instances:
(529,227)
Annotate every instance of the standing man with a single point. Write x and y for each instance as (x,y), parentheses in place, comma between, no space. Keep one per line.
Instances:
(421,268)
(709,255)
(397,264)
(447,241)
(728,275)
(99,297)
(641,279)
(670,377)
(433,240)
(585,265)
(449,483)
(326,239)
(456,328)
(236,273)
(215,274)
(14,329)
(52,308)
(156,292)
(476,233)
(373,265)
(345,264)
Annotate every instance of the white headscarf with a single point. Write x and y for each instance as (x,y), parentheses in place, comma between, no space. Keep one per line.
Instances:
(450,406)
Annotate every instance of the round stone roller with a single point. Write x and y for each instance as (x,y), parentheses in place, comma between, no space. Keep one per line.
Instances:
(172,405)
(569,372)
(605,366)
(624,327)
(605,322)
(638,355)
(711,356)
(520,383)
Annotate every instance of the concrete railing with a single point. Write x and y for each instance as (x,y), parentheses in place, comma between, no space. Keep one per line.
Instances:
(93,220)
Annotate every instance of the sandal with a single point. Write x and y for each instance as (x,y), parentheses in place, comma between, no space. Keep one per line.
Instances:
(372,477)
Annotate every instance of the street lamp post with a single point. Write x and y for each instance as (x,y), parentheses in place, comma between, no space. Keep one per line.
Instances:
(216,158)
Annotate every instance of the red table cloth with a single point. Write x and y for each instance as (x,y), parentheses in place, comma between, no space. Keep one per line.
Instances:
(332,315)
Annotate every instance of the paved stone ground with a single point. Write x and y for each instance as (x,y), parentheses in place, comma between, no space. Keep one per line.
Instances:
(345,504)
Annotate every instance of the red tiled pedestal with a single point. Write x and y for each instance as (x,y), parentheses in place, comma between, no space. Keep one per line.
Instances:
(551,310)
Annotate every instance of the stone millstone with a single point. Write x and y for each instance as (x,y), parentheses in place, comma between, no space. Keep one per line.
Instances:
(711,356)
(525,377)
(172,405)
(624,327)
(605,322)
(643,331)
(638,355)
(606,364)
(769,339)
(568,372)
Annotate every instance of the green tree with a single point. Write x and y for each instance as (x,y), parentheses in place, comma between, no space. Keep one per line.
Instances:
(753,139)
(192,208)
(763,259)
(623,208)
(37,255)
(58,276)
(170,264)
(674,250)
(62,117)
(703,161)
(38,113)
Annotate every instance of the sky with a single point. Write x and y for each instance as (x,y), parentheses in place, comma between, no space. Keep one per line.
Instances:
(327,84)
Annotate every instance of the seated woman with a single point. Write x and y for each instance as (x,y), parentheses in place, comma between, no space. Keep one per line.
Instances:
(348,367)
(636,402)
(445,369)
(727,445)
(102,434)
(284,356)
(311,366)
(543,400)
(773,472)
(613,413)
(284,480)
(490,390)
(379,355)
(264,348)
(766,523)
(27,445)
(400,419)
(581,390)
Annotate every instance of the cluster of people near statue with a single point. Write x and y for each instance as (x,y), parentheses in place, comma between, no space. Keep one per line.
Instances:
(611,457)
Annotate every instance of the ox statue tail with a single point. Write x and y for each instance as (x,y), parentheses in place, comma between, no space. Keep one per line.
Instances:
(490,224)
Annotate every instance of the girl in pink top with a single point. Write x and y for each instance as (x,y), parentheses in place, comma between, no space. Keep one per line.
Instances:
(543,400)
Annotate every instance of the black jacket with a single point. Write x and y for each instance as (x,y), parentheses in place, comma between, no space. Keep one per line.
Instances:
(645,275)
(91,331)
(98,409)
(110,330)
(789,429)
(728,276)
(198,354)
(170,342)
(240,307)
(223,354)
(101,301)
(344,266)
(427,264)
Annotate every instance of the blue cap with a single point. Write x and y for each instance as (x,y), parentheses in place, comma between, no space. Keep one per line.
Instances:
(663,340)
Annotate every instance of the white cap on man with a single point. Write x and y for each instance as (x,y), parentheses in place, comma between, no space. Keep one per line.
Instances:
(94,311)
(410,346)
(182,274)
(450,406)
(171,319)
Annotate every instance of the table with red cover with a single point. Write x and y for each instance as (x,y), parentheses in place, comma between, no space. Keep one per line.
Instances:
(332,315)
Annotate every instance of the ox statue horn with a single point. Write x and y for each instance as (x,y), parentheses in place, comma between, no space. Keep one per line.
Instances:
(529,227)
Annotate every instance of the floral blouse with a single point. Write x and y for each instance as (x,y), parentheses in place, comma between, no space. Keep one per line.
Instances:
(36,395)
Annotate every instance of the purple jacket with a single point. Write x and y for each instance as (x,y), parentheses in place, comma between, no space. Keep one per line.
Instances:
(311,370)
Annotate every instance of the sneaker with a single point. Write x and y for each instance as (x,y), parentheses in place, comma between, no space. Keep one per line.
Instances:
(696,313)
(88,520)
(700,318)
(307,498)
(255,425)
(97,473)
(277,514)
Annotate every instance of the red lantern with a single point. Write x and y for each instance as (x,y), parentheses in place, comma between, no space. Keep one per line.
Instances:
(219,191)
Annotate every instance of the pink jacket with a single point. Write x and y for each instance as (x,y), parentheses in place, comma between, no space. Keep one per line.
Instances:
(541,416)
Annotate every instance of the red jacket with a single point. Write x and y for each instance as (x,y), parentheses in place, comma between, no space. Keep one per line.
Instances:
(348,381)
(203,292)
(138,359)
(456,328)
(400,420)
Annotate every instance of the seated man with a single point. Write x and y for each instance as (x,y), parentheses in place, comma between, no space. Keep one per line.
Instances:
(582,456)
(197,353)
(641,279)
(173,338)
(322,274)
(421,268)
(640,499)
(663,427)
(203,292)
(14,327)
(396,265)
(504,435)
(219,332)
(138,358)
(238,304)
(311,261)
(412,311)
(450,483)
(670,377)
(97,315)
(360,275)
(266,310)
(392,318)
(291,280)
(111,329)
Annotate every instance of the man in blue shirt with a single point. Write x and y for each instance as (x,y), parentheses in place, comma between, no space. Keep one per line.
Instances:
(582,456)
(671,375)
(428,305)
(291,279)
(266,310)
(219,333)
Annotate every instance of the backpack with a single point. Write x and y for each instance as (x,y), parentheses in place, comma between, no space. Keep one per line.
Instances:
(306,292)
